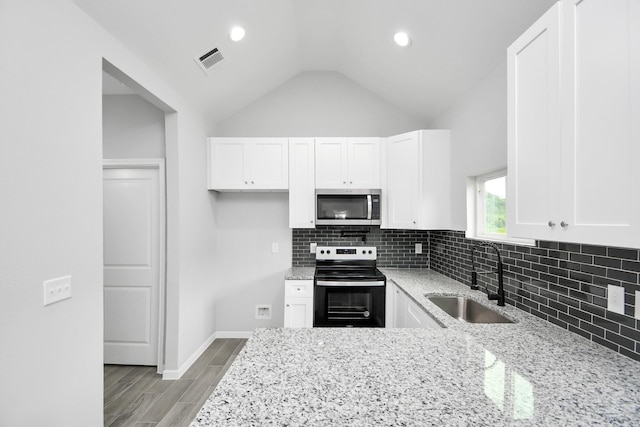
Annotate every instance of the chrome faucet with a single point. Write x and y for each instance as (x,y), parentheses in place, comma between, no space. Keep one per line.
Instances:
(474,274)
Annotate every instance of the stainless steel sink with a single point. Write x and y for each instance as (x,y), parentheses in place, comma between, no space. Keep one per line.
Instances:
(467,309)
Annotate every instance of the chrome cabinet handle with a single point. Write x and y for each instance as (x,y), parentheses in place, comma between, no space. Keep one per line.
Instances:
(551,223)
(564,224)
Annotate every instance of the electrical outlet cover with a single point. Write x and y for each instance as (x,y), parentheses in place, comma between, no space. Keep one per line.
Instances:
(615,299)
(418,248)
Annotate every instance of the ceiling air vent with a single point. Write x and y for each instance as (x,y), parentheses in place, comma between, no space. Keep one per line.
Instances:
(209,59)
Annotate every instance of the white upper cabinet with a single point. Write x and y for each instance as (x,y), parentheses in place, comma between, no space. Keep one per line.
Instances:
(347,163)
(574,103)
(301,183)
(417,177)
(248,164)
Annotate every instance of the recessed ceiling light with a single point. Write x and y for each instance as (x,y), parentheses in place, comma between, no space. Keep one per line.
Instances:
(236,34)
(402,39)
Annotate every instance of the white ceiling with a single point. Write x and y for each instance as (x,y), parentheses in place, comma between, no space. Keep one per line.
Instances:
(455,43)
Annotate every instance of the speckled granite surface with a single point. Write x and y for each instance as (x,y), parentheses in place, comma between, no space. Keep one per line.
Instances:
(526,373)
(300,273)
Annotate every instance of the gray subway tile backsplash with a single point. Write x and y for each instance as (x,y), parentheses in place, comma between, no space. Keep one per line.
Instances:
(396,248)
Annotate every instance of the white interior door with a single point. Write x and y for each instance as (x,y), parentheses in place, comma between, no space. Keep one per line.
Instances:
(132,264)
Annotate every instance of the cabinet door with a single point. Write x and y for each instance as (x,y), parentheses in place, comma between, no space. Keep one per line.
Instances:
(363,168)
(269,164)
(403,181)
(401,300)
(301,183)
(227,163)
(331,162)
(601,122)
(417,318)
(533,79)
(390,305)
(298,313)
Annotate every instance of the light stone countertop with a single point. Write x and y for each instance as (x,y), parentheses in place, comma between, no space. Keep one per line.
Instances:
(523,374)
(300,273)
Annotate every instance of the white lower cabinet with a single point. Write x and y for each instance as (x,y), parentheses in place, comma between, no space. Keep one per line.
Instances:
(407,313)
(298,303)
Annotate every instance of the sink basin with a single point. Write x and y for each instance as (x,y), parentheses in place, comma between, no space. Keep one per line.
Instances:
(467,310)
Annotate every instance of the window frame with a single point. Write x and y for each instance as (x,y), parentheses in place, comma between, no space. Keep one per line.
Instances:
(476,210)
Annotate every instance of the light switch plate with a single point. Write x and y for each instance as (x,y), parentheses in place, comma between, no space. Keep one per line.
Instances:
(56,289)
(637,305)
(615,299)
(275,248)
(418,248)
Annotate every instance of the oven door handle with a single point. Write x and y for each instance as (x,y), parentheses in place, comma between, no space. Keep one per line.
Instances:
(358,284)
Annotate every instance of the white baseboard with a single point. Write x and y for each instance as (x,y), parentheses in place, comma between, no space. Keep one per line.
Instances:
(234,334)
(169,374)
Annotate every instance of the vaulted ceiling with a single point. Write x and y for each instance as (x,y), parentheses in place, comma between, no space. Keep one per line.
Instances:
(455,44)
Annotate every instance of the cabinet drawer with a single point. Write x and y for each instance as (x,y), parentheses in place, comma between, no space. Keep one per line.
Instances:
(298,288)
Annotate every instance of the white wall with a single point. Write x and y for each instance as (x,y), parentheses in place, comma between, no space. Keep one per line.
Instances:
(132,128)
(310,104)
(320,104)
(478,124)
(51,213)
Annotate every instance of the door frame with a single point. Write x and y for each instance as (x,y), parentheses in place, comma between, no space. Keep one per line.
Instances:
(157,164)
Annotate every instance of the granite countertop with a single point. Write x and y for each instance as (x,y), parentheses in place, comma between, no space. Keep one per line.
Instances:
(300,273)
(526,373)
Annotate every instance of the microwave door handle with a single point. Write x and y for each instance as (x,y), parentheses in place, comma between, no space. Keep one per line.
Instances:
(369,206)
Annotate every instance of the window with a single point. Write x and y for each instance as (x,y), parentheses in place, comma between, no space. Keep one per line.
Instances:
(487,208)
(491,204)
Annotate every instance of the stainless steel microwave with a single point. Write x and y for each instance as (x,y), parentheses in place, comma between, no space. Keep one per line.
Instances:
(348,207)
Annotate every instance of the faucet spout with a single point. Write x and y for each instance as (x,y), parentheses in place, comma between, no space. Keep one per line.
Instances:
(500,297)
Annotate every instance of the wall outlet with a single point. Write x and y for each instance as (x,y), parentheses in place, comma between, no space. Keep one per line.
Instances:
(615,299)
(312,247)
(263,312)
(56,289)
(418,248)
(275,248)
(637,305)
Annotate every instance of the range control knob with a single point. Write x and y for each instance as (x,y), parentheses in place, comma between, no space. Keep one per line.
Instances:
(322,251)
(370,252)
(328,251)
(364,252)
(366,314)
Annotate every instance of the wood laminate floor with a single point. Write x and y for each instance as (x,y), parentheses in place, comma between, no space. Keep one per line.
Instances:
(137,395)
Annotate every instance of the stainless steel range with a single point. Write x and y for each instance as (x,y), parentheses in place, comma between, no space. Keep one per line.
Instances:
(349,291)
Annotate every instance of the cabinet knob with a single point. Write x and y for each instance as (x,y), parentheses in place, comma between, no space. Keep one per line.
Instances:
(311,221)
(252,182)
(344,182)
(246,182)
(551,223)
(414,222)
(564,224)
(288,305)
(350,182)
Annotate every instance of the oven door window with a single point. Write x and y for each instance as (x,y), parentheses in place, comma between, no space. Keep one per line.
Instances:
(351,305)
(342,206)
